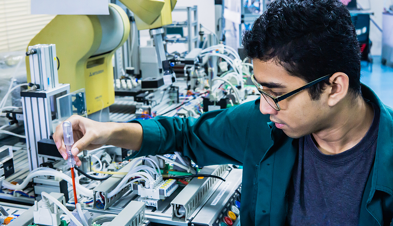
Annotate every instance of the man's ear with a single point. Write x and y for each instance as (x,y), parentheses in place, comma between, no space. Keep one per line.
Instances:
(338,89)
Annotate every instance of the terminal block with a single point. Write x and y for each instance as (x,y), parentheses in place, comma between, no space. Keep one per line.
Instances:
(160,191)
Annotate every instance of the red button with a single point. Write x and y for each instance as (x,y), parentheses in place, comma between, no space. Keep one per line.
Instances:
(228,221)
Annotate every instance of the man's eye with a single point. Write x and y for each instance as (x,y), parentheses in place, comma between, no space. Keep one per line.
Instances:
(273,93)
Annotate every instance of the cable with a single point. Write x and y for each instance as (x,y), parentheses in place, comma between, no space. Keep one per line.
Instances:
(132,181)
(175,163)
(92,177)
(81,215)
(2,104)
(103,217)
(233,87)
(99,161)
(196,175)
(248,64)
(12,134)
(9,107)
(109,172)
(155,165)
(62,207)
(46,172)
(218,40)
(180,158)
(131,174)
(4,100)
(185,102)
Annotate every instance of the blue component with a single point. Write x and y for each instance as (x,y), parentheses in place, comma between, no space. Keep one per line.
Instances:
(237,204)
(172,64)
(48,82)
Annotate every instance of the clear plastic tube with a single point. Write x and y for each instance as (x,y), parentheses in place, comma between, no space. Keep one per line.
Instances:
(174,163)
(4,101)
(44,172)
(126,178)
(81,215)
(155,165)
(135,180)
(228,49)
(226,58)
(62,207)
(99,161)
(230,84)
(180,158)
(147,169)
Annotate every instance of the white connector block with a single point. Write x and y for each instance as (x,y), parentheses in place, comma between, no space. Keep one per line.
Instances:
(223,66)
(46,214)
(160,191)
(149,202)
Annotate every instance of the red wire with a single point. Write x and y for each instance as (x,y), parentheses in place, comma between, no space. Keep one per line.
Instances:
(73,185)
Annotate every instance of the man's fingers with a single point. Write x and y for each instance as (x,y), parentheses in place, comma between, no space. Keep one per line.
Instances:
(77,161)
(82,144)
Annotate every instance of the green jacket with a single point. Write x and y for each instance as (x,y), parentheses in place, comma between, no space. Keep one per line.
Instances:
(242,135)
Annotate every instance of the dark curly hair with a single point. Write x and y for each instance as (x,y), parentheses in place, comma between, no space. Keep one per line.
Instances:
(309,38)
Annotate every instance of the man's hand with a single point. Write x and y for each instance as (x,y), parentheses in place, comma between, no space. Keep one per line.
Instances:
(89,134)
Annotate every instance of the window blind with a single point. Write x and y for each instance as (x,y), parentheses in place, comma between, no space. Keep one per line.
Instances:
(17,25)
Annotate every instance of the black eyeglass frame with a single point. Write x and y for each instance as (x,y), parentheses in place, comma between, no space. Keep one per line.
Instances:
(285,96)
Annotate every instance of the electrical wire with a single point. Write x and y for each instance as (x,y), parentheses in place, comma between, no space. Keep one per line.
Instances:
(4,100)
(92,177)
(103,217)
(62,207)
(185,102)
(145,176)
(81,215)
(195,175)
(46,172)
(153,163)
(12,134)
(99,161)
(218,40)
(233,87)
(178,156)
(109,172)
(187,168)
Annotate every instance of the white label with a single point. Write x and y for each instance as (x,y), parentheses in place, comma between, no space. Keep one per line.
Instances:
(219,196)
(213,107)
(70,7)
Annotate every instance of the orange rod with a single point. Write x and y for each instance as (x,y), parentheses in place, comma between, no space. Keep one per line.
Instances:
(73,185)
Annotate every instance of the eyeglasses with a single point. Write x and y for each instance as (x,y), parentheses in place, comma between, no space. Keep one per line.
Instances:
(273,101)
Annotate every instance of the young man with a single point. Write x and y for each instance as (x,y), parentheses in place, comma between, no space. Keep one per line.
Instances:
(316,147)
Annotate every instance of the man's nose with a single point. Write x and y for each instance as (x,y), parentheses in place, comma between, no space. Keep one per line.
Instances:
(265,108)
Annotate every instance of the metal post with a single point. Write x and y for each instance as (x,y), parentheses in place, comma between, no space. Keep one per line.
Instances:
(189,28)
(159,45)
(37,102)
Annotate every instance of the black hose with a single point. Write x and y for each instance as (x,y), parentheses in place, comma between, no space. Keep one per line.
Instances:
(195,175)
(92,177)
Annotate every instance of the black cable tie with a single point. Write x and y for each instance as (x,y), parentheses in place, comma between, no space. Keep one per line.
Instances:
(31,52)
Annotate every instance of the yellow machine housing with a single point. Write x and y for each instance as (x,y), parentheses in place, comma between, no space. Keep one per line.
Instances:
(150,14)
(85,45)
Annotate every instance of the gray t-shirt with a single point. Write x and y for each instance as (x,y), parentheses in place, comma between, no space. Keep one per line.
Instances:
(328,189)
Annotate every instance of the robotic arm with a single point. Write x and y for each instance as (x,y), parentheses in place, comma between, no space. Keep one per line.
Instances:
(153,14)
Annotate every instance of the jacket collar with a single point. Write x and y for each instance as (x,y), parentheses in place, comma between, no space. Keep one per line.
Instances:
(382,178)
